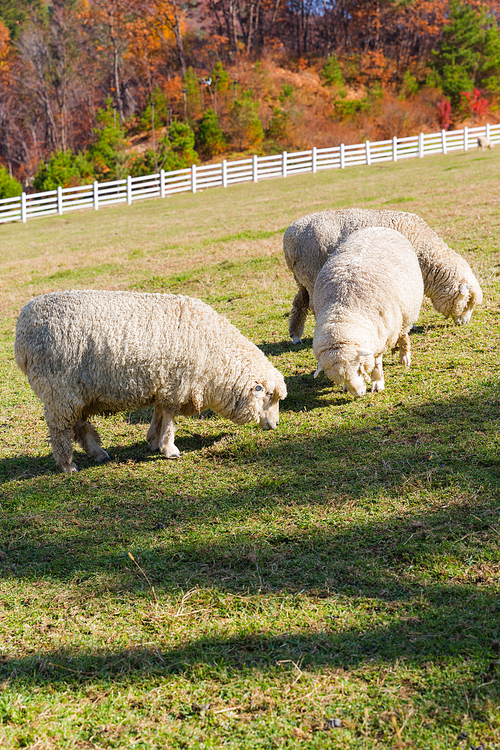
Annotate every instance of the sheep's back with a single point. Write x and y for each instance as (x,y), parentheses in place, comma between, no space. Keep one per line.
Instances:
(375,272)
(121,348)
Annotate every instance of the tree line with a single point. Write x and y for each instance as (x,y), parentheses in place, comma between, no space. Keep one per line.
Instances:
(81,80)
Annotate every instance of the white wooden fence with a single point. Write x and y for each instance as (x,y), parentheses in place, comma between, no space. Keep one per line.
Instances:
(257,168)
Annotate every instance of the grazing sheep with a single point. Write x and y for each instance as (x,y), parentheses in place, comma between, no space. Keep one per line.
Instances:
(307,243)
(366,299)
(93,352)
(483,142)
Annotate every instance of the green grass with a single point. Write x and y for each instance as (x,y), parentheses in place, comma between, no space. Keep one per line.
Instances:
(345,567)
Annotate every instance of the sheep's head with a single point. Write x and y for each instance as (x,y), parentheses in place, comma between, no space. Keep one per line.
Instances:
(464,302)
(349,367)
(260,403)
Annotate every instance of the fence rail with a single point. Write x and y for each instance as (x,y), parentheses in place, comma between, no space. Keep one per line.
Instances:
(257,168)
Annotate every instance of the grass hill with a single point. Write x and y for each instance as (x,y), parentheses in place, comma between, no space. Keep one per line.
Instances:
(334,584)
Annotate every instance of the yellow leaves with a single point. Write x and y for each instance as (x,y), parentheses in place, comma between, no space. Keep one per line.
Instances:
(4,42)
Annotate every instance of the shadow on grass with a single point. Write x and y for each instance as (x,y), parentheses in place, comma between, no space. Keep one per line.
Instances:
(316,518)
(454,628)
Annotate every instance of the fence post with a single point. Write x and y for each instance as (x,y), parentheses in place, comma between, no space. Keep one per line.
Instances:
(129,190)
(59,200)
(342,156)
(162,183)
(23,207)
(421,146)
(395,148)
(193,178)
(368,153)
(443,140)
(314,160)
(284,167)
(96,195)
(224,173)
(466,138)
(488,131)
(255,165)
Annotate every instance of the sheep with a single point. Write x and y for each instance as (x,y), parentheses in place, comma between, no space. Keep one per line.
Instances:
(483,142)
(307,243)
(366,299)
(99,352)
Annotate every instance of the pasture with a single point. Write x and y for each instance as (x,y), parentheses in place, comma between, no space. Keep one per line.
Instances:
(333,584)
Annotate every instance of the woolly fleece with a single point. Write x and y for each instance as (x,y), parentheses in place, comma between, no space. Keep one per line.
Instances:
(98,352)
(307,243)
(366,299)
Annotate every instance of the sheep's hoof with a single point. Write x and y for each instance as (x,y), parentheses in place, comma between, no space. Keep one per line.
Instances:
(406,361)
(378,386)
(102,457)
(296,340)
(69,468)
(171,452)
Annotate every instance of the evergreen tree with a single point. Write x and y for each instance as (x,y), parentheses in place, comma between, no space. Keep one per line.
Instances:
(9,187)
(108,152)
(175,151)
(468,55)
(331,73)
(64,168)
(246,126)
(210,139)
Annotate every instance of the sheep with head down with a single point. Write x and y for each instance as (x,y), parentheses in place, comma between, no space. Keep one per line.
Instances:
(307,243)
(95,352)
(366,299)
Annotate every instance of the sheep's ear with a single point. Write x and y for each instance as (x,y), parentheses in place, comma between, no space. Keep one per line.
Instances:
(364,353)
(463,289)
(318,370)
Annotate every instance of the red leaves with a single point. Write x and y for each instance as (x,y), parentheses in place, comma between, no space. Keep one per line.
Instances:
(444,113)
(474,103)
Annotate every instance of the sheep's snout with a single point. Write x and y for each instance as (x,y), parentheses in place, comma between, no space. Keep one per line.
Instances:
(268,424)
(269,417)
(356,388)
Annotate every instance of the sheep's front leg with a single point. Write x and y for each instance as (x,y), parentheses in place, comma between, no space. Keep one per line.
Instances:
(167,434)
(404,350)
(298,315)
(61,435)
(378,381)
(87,436)
(153,436)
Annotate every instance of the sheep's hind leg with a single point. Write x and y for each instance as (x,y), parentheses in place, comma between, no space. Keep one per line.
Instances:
(87,436)
(167,434)
(154,431)
(298,314)
(61,435)
(404,350)
(378,380)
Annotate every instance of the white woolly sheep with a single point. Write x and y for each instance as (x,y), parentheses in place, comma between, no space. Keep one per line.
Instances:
(483,142)
(307,243)
(95,352)
(366,299)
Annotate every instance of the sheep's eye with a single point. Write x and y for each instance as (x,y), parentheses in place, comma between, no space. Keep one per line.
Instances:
(258,388)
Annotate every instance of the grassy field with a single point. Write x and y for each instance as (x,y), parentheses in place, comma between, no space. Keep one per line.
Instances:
(334,584)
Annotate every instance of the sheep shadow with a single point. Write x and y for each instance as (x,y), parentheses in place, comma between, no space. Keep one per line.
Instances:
(28,467)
